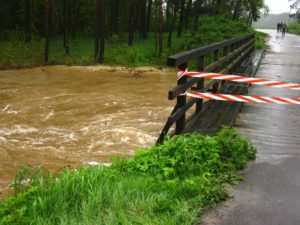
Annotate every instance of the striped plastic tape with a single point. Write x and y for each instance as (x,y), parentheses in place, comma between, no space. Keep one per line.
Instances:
(238,78)
(243,98)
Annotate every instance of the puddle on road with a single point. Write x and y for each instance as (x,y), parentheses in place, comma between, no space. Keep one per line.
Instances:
(62,117)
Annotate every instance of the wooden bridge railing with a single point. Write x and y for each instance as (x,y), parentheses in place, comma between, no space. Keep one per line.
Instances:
(226,56)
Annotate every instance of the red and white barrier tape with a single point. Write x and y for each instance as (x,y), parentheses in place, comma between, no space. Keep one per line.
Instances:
(237,78)
(242,98)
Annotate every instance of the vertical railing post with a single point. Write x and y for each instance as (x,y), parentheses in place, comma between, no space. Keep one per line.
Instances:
(216,58)
(181,101)
(225,51)
(200,83)
(232,47)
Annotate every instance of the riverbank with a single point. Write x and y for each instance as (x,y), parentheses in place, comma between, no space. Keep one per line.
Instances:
(168,184)
(14,53)
(97,68)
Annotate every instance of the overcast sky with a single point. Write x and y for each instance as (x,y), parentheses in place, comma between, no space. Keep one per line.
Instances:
(278,6)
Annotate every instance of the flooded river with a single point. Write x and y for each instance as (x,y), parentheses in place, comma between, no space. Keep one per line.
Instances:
(63,117)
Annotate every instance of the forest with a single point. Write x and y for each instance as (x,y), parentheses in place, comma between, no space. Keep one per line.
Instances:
(53,31)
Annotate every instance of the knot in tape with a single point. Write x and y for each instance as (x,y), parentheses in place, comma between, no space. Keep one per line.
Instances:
(181,73)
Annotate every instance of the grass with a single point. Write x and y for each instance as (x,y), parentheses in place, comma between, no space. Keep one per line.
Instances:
(14,53)
(294,28)
(260,40)
(168,184)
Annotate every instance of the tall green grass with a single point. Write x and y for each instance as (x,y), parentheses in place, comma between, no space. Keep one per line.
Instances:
(14,53)
(168,184)
(294,28)
(260,40)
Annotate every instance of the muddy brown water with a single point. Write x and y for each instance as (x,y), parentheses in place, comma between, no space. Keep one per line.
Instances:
(61,117)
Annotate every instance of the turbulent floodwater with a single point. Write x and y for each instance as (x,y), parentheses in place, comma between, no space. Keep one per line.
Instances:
(63,117)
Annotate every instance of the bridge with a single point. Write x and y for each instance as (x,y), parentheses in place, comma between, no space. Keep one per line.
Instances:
(270,193)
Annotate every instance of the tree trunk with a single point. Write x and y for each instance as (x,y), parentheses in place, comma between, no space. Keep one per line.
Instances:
(117,17)
(197,14)
(102,34)
(172,25)
(161,19)
(143,19)
(66,26)
(219,7)
(27,21)
(182,16)
(148,17)
(168,6)
(236,11)
(131,23)
(48,13)
(156,27)
(112,16)
(100,31)
(188,14)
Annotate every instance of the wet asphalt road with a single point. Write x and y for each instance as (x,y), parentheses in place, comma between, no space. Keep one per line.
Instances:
(270,194)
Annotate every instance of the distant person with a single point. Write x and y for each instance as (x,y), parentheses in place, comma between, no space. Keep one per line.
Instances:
(278,27)
(284,28)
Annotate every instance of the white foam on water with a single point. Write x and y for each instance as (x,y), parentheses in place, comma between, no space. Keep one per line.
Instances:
(18,129)
(49,115)
(125,139)
(3,138)
(85,130)
(8,91)
(8,110)
(70,137)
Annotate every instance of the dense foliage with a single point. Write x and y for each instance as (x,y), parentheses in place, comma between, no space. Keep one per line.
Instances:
(167,184)
(15,53)
(38,23)
(295,10)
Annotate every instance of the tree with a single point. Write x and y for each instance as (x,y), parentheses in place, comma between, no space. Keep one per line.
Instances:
(143,19)
(100,31)
(197,11)
(48,13)
(131,22)
(172,24)
(149,10)
(161,19)
(182,17)
(66,25)
(27,21)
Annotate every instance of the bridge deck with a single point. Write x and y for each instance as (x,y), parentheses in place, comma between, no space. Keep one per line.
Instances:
(218,113)
(270,193)
(274,129)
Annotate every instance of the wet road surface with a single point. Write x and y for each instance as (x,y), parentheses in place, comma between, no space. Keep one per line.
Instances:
(61,117)
(270,194)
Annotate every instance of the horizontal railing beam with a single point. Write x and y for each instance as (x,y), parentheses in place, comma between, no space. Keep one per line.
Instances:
(183,87)
(184,57)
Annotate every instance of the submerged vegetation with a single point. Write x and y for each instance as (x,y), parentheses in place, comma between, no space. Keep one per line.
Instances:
(166,184)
